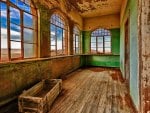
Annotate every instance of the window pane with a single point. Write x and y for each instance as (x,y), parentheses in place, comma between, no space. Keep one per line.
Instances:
(107,50)
(15,33)
(3,25)
(3,15)
(20,4)
(99,39)
(29,36)
(77,50)
(100,50)
(4,55)
(53,47)
(74,42)
(74,49)
(26,7)
(107,38)
(53,50)
(53,40)
(93,50)
(27,1)
(59,40)
(77,44)
(28,20)
(93,45)
(77,38)
(57,20)
(14,16)
(93,39)
(100,44)
(4,45)
(64,31)
(13,1)
(53,34)
(29,50)
(107,44)
(52,28)
(15,49)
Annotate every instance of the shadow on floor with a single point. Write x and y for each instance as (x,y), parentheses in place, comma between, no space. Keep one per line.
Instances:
(11,107)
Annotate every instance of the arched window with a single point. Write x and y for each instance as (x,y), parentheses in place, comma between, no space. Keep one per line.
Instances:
(76,40)
(18,33)
(58,31)
(101,41)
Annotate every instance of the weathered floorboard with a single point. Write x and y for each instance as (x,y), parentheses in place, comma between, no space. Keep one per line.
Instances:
(93,90)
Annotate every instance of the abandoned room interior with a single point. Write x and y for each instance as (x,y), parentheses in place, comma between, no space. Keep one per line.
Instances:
(93,54)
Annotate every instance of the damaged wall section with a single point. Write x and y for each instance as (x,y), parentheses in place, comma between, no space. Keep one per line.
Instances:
(144,46)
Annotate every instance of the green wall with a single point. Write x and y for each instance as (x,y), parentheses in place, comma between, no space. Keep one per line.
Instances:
(111,60)
(103,60)
(131,13)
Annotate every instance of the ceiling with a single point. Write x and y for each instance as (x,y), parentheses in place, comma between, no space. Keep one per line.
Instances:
(93,8)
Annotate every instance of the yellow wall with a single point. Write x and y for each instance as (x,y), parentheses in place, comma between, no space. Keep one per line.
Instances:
(108,22)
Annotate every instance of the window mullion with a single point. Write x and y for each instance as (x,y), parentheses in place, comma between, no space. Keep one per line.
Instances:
(0,33)
(75,44)
(79,43)
(56,40)
(103,44)
(62,41)
(8,33)
(22,37)
(96,45)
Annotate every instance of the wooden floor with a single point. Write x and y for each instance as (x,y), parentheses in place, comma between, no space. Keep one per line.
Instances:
(90,90)
(93,90)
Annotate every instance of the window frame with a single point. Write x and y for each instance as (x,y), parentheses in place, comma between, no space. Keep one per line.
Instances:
(103,38)
(76,34)
(64,28)
(34,29)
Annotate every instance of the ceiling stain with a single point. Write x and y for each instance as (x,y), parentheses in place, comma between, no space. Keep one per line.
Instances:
(90,8)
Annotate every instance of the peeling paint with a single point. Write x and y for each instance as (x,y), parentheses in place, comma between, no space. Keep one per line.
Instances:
(91,8)
(144,34)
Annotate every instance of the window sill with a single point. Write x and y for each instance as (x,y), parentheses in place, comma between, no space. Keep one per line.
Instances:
(101,54)
(33,60)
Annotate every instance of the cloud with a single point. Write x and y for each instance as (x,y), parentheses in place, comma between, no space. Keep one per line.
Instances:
(4,39)
(52,33)
(3,13)
(14,13)
(59,45)
(4,32)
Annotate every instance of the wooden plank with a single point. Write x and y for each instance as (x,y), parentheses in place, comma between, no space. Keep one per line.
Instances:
(89,91)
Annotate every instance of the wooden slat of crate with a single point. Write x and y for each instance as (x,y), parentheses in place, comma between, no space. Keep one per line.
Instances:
(29,102)
(32,91)
(51,96)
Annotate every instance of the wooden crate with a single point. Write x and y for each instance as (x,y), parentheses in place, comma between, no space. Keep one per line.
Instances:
(40,97)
